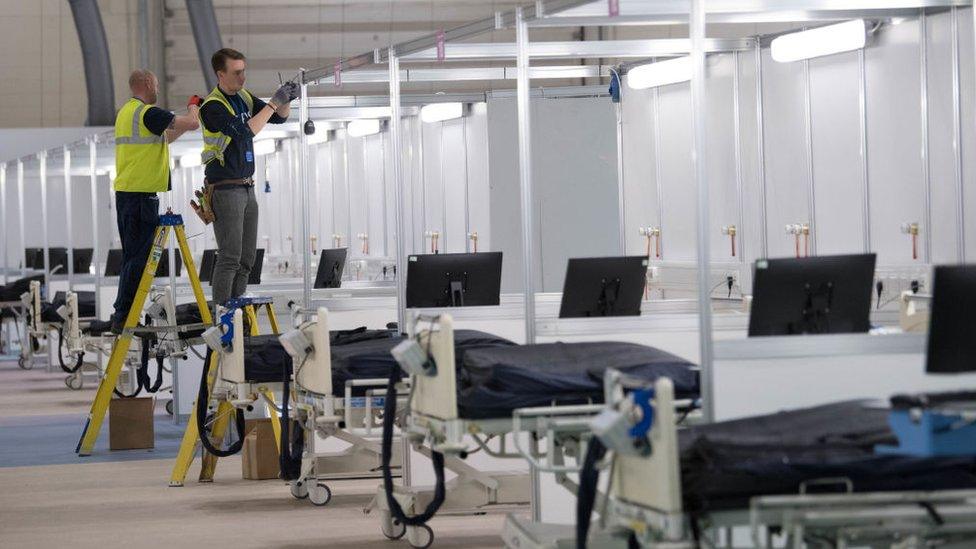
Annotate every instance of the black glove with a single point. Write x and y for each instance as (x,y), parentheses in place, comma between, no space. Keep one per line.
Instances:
(294,90)
(282,96)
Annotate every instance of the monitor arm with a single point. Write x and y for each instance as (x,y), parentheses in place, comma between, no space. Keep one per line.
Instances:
(609,290)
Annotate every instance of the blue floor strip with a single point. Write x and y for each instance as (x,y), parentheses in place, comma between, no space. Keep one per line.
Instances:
(51,440)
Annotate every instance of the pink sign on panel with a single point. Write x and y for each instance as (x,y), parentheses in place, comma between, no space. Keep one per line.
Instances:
(613,7)
(338,74)
(440,45)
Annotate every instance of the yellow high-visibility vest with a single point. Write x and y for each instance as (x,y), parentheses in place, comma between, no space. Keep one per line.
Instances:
(215,143)
(141,157)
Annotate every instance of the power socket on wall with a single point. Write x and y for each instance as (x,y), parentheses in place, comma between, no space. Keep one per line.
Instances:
(895,280)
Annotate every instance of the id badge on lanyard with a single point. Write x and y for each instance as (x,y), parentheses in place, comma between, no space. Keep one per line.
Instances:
(249,156)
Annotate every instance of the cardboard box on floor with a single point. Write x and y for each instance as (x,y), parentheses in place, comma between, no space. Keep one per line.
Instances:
(259,456)
(130,424)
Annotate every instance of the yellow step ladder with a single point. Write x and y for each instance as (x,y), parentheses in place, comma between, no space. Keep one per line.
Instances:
(225,409)
(120,349)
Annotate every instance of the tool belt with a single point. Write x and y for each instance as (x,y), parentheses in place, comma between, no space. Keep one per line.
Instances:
(204,208)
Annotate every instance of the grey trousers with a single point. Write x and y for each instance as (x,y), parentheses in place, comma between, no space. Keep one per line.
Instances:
(236,230)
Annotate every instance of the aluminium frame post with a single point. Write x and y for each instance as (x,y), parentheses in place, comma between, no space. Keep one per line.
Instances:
(697,28)
(20,216)
(305,241)
(96,249)
(395,153)
(42,165)
(3,215)
(68,218)
(525,171)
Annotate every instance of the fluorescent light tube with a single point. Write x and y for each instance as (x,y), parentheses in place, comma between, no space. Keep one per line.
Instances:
(439,112)
(265,146)
(847,36)
(362,128)
(190,160)
(652,75)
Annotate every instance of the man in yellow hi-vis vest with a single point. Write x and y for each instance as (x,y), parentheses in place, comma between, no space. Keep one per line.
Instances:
(231,117)
(142,136)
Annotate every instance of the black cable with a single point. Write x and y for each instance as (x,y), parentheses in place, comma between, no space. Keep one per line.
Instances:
(586,493)
(290,453)
(389,414)
(81,357)
(203,397)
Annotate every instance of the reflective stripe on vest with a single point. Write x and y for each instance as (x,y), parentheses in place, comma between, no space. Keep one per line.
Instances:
(141,157)
(215,143)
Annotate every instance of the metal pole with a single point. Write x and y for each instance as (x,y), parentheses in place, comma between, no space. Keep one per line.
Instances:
(658,171)
(96,249)
(68,218)
(525,178)
(811,188)
(467,187)
(401,229)
(42,161)
(20,216)
(697,24)
(863,120)
(621,189)
(525,172)
(3,215)
(923,70)
(957,140)
(303,182)
(740,217)
(761,161)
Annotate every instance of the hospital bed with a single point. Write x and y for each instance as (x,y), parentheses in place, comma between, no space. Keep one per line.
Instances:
(14,303)
(482,398)
(342,393)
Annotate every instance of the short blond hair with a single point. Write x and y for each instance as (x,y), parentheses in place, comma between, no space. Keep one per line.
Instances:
(139,76)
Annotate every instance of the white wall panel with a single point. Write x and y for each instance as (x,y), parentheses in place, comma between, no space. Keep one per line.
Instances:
(720,154)
(678,191)
(374,193)
(894,139)
(837,166)
(637,148)
(324,204)
(942,173)
(479,201)
(454,184)
(358,208)
(340,190)
(785,152)
(967,83)
(750,239)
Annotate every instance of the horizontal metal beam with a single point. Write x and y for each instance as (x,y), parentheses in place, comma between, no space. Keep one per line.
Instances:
(478,74)
(661,47)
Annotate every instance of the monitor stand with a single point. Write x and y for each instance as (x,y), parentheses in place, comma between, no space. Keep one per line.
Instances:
(457,293)
(609,290)
(816,309)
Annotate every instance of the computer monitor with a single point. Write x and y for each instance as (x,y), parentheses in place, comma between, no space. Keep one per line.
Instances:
(812,295)
(113,263)
(603,286)
(209,261)
(255,277)
(82,260)
(329,273)
(454,280)
(34,258)
(162,269)
(207,264)
(952,332)
(58,260)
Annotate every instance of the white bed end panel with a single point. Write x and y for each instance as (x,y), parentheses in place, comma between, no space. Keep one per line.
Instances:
(436,396)
(232,363)
(316,374)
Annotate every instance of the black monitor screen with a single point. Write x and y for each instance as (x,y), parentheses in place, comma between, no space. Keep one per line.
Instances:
(812,295)
(454,280)
(255,276)
(82,260)
(58,260)
(603,286)
(113,263)
(34,258)
(952,332)
(207,264)
(162,269)
(329,273)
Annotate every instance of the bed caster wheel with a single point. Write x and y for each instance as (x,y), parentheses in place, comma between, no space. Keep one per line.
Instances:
(74,382)
(24,363)
(299,490)
(319,494)
(392,529)
(169,407)
(420,537)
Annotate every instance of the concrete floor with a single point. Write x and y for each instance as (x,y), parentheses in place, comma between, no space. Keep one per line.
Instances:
(128,503)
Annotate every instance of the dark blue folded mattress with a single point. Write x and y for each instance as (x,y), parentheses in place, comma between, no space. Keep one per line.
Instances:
(86,306)
(725,464)
(495,381)
(372,359)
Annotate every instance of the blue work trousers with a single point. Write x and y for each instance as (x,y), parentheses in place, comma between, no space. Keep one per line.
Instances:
(138,216)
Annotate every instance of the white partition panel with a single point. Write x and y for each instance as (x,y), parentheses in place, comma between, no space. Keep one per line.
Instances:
(639,175)
(340,189)
(941,157)
(454,184)
(678,191)
(894,139)
(721,168)
(967,116)
(433,181)
(358,205)
(374,192)
(836,145)
(478,175)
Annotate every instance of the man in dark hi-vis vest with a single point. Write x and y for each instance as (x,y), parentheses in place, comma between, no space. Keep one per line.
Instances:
(142,136)
(231,116)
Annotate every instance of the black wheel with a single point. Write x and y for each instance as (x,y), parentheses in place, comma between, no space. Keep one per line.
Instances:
(424,537)
(299,490)
(169,407)
(24,363)
(74,382)
(393,529)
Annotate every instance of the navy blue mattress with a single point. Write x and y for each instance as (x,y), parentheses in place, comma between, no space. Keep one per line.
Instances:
(495,381)
(724,464)
(372,359)
(86,306)
(13,290)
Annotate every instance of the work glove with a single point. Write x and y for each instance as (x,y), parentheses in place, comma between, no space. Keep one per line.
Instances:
(295,91)
(283,95)
(194,100)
